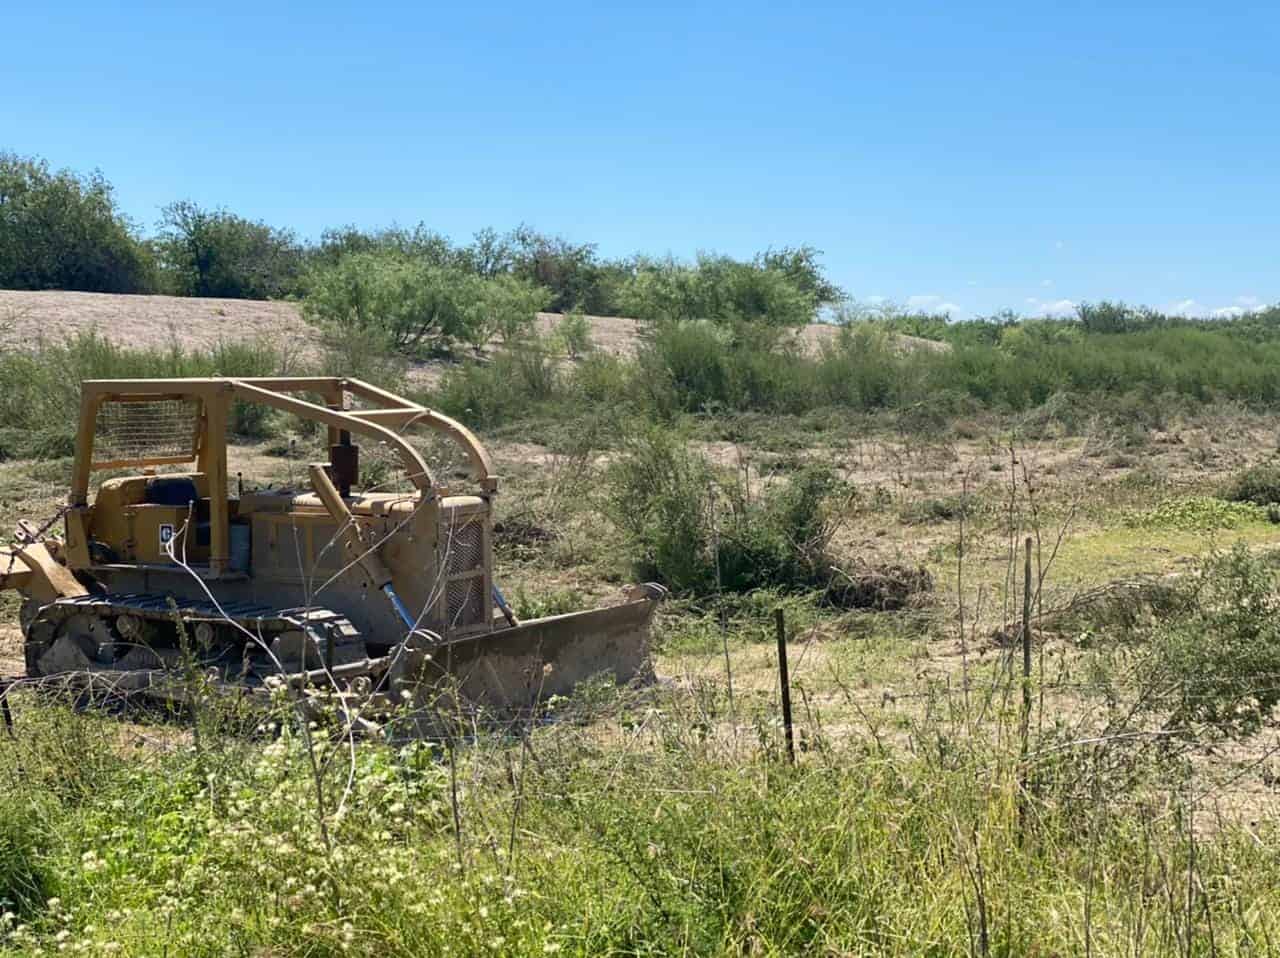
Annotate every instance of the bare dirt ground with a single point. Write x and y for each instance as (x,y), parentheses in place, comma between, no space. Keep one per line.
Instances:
(147,322)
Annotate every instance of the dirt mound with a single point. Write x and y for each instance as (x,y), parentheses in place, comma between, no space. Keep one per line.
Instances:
(151,321)
(814,336)
(620,336)
(157,321)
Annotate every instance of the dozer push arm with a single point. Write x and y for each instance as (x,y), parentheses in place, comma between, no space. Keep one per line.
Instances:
(366,553)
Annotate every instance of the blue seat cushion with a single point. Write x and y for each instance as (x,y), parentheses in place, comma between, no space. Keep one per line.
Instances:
(175,491)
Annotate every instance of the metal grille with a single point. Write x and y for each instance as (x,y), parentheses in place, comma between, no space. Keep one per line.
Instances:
(464,565)
(466,602)
(153,429)
(466,547)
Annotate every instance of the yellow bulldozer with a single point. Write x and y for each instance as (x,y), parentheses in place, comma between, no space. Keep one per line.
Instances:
(381,595)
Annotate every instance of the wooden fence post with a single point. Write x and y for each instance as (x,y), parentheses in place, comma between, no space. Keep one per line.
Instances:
(785,681)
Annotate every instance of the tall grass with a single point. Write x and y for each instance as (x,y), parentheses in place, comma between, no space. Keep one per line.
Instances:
(699,368)
(671,840)
(702,368)
(40,385)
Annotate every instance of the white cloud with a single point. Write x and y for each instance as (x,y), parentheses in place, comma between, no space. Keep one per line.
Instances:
(1194,308)
(1185,307)
(1051,309)
(931,303)
(1243,305)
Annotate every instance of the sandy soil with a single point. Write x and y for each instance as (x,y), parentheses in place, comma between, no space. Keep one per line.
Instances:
(147,321)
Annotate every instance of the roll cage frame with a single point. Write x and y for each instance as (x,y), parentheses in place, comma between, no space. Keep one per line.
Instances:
(385,419)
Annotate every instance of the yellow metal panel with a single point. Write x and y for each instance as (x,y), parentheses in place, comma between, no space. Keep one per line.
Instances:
(76,526)
(84,450)
(214,456)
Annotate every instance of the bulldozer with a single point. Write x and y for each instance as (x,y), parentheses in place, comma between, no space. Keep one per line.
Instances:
(374,595)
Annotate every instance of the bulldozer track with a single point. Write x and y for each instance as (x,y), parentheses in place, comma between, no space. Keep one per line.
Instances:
(253,616)
(334,633)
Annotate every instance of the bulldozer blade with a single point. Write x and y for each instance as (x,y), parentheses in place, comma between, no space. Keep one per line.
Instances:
(510,670)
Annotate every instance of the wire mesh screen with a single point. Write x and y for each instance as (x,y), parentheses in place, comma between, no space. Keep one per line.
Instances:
(466,603)
(152,429)
(462,540)
(464,543)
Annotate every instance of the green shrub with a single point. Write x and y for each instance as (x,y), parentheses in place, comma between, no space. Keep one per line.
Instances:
(572,272)
(602,378)
(417,243)
(216,253)
(780,539)
(51,442)
(699,366)
(487,393)
(574,333)
(862,370)
(531,605)
(477,394)
(509,307)
(535,369)
(700,533)
(392,303)
(940,509)
(60,230)
(350,351)
(1106,317)
(660,497)
(1212,666)
(778,289)
(685,367)
(1196,514)
(1259,484)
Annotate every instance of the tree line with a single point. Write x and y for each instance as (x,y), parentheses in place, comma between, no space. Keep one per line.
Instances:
(64,230)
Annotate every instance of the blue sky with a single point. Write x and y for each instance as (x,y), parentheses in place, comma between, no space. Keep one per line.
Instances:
(981,155)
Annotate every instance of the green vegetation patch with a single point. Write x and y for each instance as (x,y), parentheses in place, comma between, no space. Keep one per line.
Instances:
(1259,484)
(1196,514)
